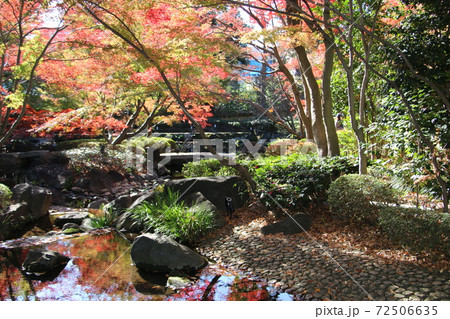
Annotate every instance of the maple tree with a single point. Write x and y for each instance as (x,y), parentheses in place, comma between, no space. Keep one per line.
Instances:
(98,75)
(176,46)
(25,39)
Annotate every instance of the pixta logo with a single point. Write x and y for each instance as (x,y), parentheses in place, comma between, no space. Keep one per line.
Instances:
(153,159)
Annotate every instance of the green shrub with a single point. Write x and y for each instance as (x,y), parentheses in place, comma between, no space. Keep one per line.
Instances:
(143,142)
(416,228)
(296,180)
(169,216)
(206,168)
(358,198)
(5,196)
(348,143)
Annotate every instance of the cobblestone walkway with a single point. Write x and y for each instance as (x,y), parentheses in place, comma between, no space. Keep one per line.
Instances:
(309,270)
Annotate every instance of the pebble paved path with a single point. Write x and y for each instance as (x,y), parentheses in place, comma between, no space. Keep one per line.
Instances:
(298,265)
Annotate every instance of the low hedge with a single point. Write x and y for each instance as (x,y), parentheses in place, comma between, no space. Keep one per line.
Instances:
(416,228)
(358,198)
(296,180)
(206,168)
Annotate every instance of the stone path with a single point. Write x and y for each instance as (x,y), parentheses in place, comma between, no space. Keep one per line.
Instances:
(309,270)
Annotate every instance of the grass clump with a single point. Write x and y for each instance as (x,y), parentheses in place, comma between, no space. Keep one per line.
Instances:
(167,215)
(105,220)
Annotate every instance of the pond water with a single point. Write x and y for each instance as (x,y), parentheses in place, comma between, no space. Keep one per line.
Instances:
(101,269)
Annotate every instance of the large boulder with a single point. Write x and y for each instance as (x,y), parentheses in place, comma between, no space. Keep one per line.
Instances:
(13,219)
(289,226)
(156,252)
(214,189)
(10,163)
(147,196)
(38,199)
(125,223)
(43,261)
(120,204)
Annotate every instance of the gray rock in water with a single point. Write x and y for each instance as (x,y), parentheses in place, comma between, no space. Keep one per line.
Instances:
(177,282)
(289,226)
(214,189)
(156,252)
(76,218)
(43,261)
(37,198)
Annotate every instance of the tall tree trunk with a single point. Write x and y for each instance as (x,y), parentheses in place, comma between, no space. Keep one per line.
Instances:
(306,119)
(327,103)
(355,125)
(320,137)
(359,132)
(318,127)
(308,128)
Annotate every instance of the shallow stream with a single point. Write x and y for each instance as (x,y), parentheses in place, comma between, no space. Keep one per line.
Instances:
(101,268)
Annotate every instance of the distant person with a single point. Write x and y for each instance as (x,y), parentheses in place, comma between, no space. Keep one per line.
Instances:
(340,121)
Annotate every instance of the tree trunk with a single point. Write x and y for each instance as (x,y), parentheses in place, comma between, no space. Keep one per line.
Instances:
(306,119)
(308,128)
(320,137)
(327,103)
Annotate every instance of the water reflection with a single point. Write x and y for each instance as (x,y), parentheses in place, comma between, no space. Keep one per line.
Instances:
(83,278)
(101,269)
